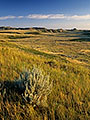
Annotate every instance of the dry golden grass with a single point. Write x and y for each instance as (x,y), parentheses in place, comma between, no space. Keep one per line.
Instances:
(85,51)
(75,61)
(63,60)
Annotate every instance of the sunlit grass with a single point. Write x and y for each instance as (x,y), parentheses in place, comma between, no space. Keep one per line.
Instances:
(66,62)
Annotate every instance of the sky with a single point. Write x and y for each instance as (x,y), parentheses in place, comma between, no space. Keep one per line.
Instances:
(64,14)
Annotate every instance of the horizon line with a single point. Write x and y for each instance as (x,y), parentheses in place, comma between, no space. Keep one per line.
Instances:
(43,27)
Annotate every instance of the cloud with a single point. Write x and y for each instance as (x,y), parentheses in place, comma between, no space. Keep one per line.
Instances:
(58,16)
(77,17)
(38,16)
(7,17)
(10,17)
(49,16)
(20,17)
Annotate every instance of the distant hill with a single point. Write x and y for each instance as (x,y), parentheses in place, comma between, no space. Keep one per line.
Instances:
(40,29)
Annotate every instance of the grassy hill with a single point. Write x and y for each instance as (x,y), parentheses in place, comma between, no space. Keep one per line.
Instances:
(62,55)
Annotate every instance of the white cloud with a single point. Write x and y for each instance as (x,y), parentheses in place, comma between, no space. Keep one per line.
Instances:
(38,16)
(10,17)
(49,16)
(20,17)
(7,17)
(58,16)
(77,17)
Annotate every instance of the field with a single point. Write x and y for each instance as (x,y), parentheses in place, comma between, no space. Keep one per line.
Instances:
(63,56)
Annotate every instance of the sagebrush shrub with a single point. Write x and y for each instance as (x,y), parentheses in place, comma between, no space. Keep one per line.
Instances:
(35,86)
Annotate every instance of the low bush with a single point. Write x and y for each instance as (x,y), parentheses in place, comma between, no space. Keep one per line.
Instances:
(32,86)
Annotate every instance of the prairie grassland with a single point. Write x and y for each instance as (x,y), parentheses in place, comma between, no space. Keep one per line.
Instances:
(65,57)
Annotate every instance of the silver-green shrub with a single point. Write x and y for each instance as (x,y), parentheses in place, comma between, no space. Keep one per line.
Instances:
(36,86)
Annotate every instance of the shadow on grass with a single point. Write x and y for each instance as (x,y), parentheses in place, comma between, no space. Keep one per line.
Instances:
(81,40)
(75,40)
(11,32)
(36,52)
(35,33)
(18,37)
(9,91)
